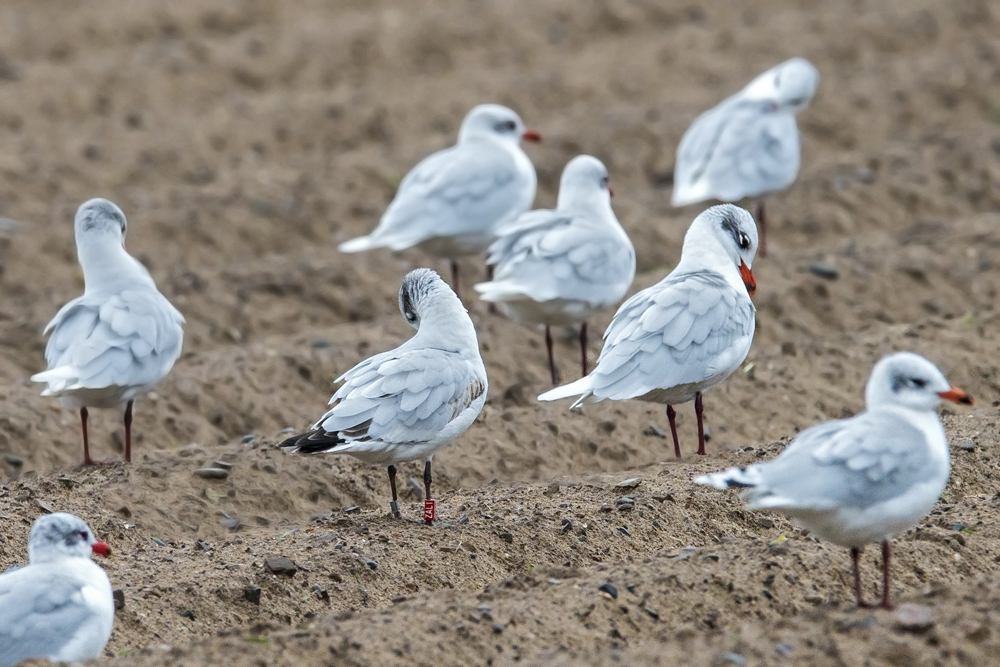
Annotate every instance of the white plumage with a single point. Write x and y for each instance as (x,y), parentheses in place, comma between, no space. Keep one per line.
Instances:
(452,203)
(121,337)
(563,266)
(864,479)
(748,145)
(405,404)
(60,606)
(675,340)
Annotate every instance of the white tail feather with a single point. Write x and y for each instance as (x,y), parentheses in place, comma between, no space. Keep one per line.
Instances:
(359,244)
(581,386)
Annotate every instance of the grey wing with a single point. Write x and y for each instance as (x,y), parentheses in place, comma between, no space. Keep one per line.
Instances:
(856,462)
(131,338)
(464,189)
(550,255)
(686,329)
(739,149)
(403,396)
(39,614)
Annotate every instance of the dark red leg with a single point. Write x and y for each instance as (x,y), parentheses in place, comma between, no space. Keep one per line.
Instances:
(855,559)
(885,575)
(429,514)
(698,409)
(394,505)
(454,278)
(492,307)
(552,360)
(583,346)
(87,461)
(761,229)
(672,418)
(128,432)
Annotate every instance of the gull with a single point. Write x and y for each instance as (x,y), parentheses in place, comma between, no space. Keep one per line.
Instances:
(120,338)
(562,266)
(748,145)
(407,403)
(672,342)
(60,606)
(864,479)
(452,202)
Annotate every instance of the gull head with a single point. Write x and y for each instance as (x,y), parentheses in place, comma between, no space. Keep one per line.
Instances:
(909,380)
(732,228)
(497,122)
(61,535)
(584,177)
(421,292)
(789,86)
(100,219)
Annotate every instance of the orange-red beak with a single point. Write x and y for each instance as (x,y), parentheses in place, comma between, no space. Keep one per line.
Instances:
(101,548)
(531,135)
(747,275)
(956,395)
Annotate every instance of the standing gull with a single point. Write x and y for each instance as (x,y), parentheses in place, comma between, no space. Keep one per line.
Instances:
(674,341)
(60,606)
(565,265)
(405,404)
(120,338)
(864,479)
(748,145)
(452,202)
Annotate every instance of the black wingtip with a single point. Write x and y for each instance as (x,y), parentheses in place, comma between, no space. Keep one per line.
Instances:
(313,442)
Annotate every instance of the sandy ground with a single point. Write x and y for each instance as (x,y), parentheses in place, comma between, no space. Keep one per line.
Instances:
(244,140)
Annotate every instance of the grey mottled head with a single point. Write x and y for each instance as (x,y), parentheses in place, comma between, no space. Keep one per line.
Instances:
(419,288)
(493,120)
(728,229)
(100,217)
(790,85)
(62,535)
(909,380)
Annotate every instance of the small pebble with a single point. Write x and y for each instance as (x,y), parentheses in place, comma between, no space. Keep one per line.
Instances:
(966,445)
(187,613)
(784,650)
(225,465)
(654,431)
(372,565)
(158,542)
(119,596)
(914,617)
(630,483)
(251,595)
(248,438)
(764,522)
(609,590)
(281,565)
(14,460)
(231,522)
(736,659)
(212,473)
(824,270)
(353,509)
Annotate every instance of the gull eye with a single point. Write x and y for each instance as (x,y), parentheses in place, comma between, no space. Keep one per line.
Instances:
(411,316)
(506,126)
(605,181)
(919,383)
(744,242)
(83,534)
